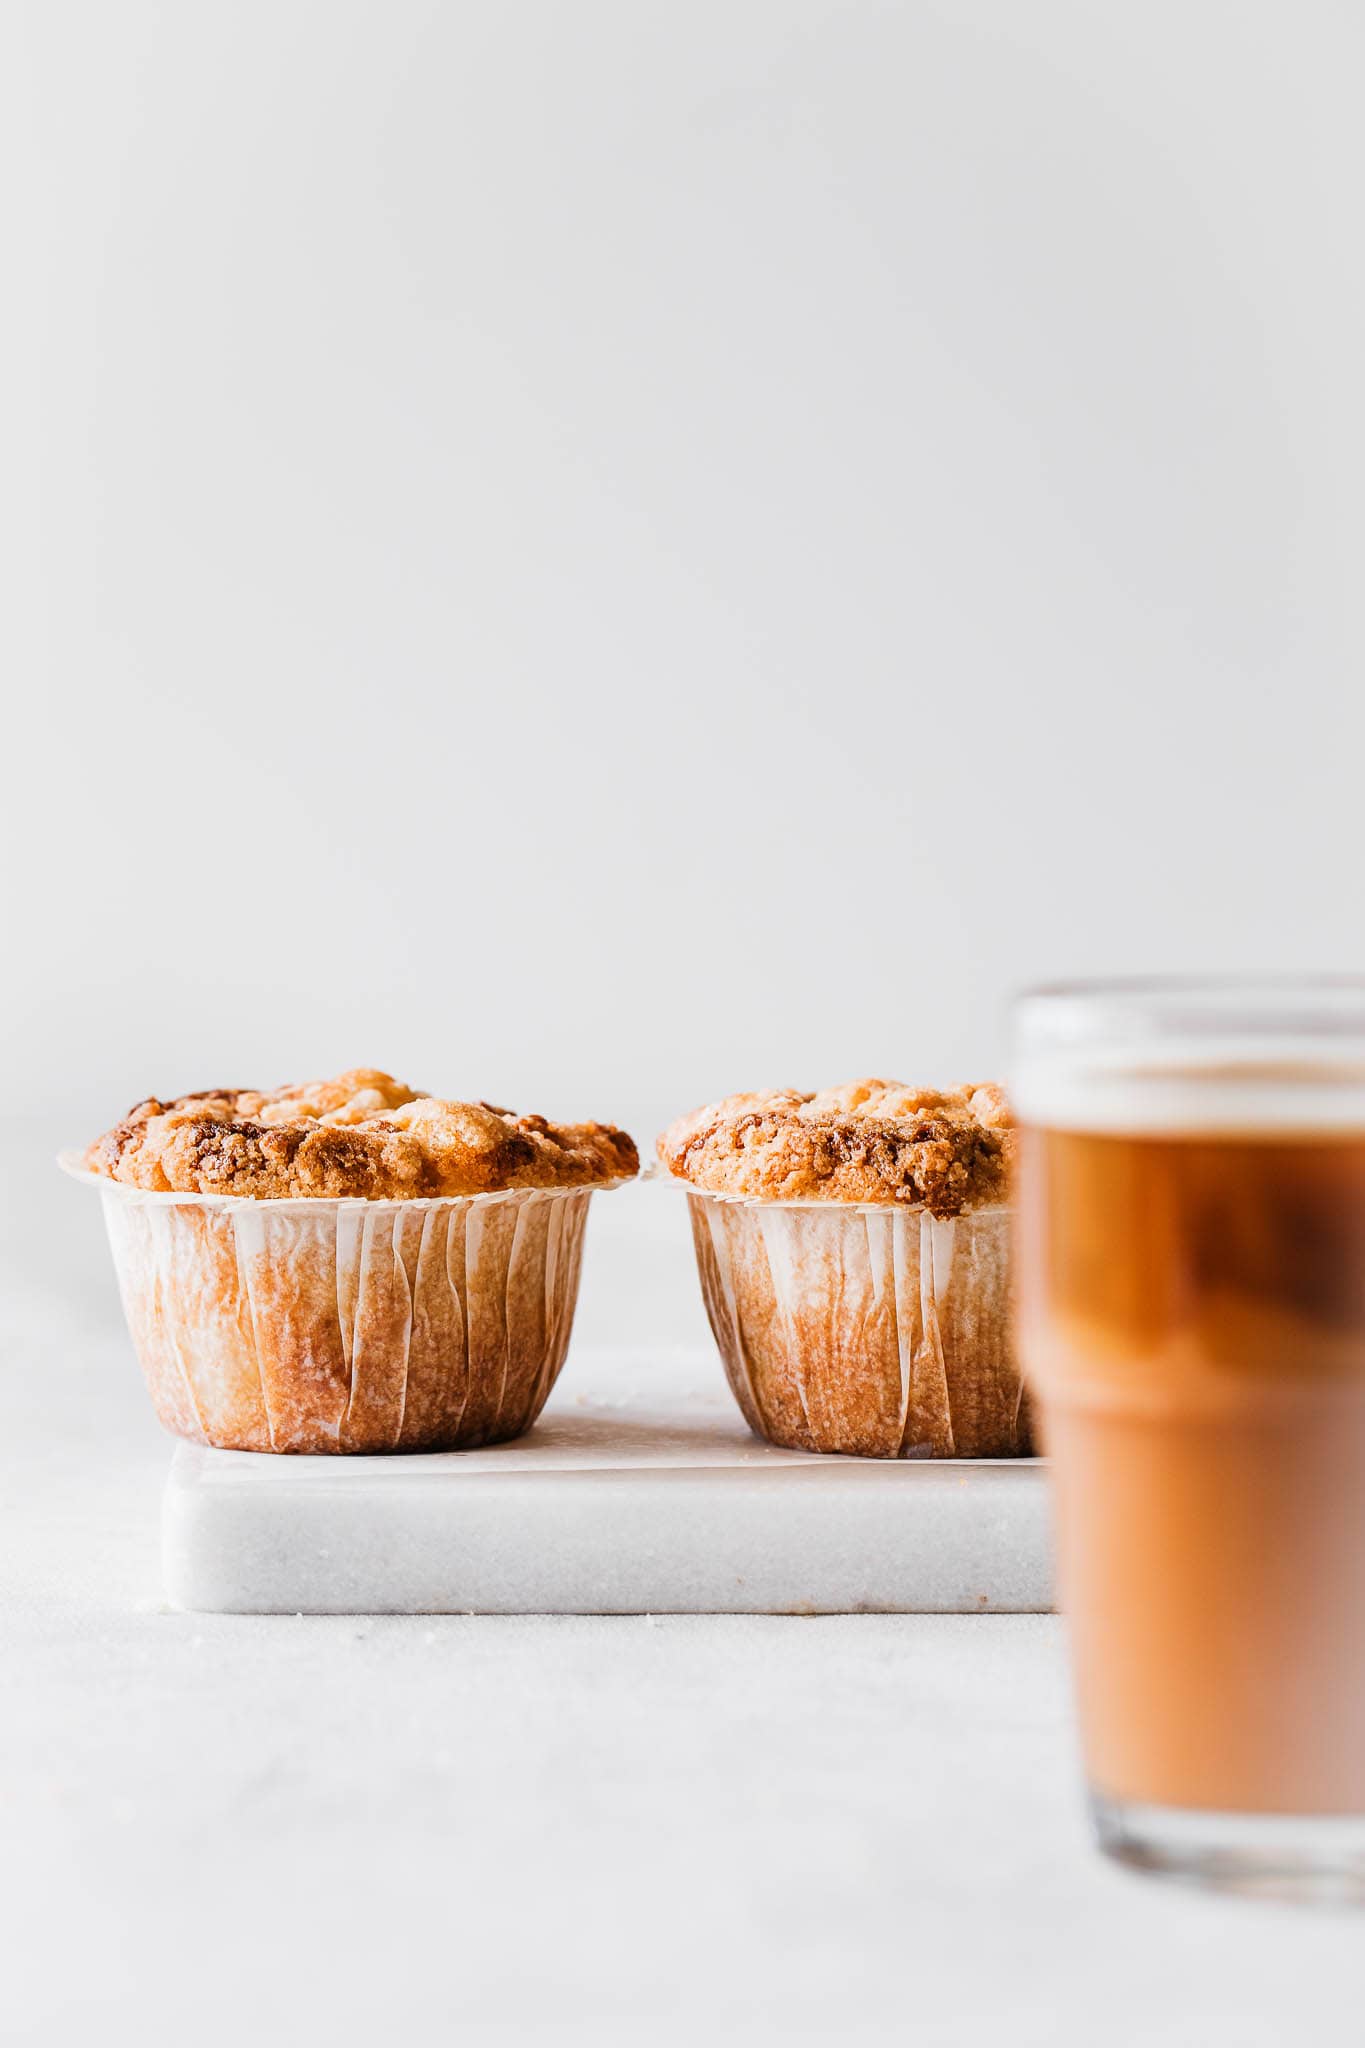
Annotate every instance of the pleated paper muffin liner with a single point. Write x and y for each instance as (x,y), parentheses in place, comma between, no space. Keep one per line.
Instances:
(347,1326)
(876,1331)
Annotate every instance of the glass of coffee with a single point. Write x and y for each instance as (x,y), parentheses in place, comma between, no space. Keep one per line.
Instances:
(1191,1319)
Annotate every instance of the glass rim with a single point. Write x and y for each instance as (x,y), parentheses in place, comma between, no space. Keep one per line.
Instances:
(1307,1004)
(1192,1051)
(1138,985)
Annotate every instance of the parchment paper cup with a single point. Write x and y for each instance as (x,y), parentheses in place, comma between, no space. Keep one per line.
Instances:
(348,1326)
(877,1331)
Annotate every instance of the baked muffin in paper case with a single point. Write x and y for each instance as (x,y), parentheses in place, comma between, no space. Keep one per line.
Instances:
(347,1266)
(853,1249)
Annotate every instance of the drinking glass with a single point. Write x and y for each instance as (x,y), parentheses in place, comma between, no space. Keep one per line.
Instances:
(1190,1247)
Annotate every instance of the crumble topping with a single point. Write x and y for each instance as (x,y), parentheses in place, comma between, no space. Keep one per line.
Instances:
(360,1134)
(944,1150)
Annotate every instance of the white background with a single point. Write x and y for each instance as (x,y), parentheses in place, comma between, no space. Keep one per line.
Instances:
(596,555)
(599,555)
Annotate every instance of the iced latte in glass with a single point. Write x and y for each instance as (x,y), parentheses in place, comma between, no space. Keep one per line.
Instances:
(1191,1316)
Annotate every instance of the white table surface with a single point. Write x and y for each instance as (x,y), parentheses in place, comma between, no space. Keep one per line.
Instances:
(736,1828)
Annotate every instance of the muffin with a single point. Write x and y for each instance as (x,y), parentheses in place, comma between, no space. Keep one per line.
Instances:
(349,1265)
(853,1248)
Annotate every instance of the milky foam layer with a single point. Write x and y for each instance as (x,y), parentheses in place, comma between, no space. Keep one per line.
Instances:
(1258,1087)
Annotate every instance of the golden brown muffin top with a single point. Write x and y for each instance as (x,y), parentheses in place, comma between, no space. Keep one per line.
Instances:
(944,1150)
(362,1134)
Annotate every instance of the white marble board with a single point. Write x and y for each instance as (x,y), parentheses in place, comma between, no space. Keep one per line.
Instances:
(607,1507)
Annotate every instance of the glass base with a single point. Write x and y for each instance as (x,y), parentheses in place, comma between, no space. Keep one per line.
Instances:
(1314,1858)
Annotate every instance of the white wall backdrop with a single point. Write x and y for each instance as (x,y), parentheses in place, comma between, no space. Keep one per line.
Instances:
(596,555)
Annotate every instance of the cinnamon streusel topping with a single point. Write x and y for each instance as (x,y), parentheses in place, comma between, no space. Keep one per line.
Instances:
(867,1141)
(362,1134)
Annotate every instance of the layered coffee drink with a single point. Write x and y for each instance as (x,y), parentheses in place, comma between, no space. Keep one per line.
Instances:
(1191,1316)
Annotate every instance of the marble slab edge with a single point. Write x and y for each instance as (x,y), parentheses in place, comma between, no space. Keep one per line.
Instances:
(432,1535)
